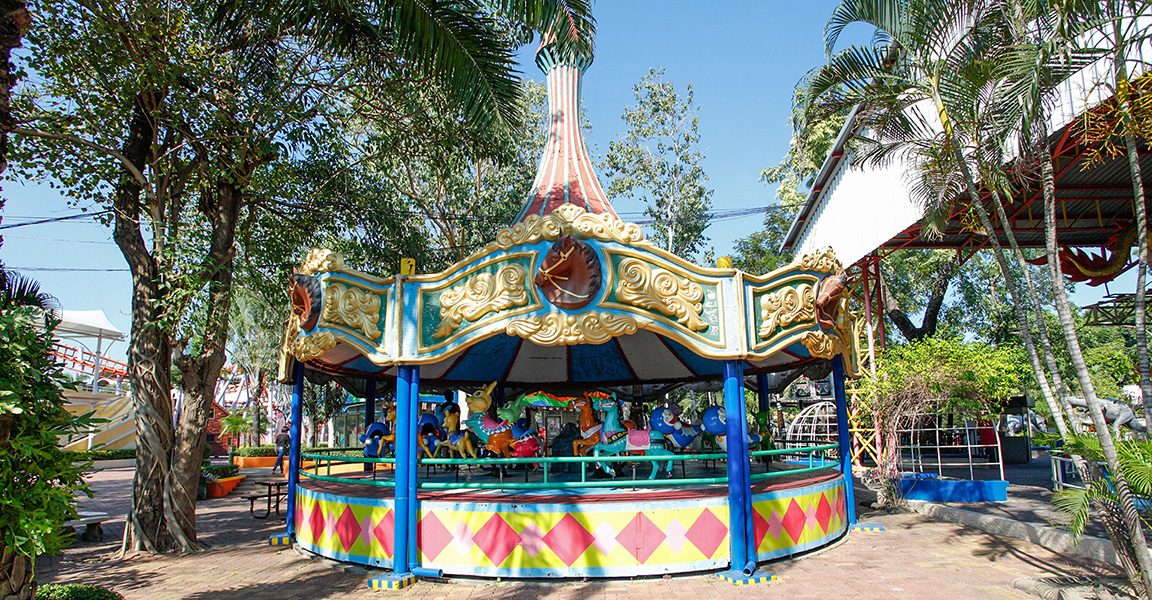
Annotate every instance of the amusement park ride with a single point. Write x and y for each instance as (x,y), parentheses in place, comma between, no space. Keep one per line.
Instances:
(568,299)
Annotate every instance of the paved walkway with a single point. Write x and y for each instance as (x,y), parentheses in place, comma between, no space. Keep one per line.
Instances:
(917,557)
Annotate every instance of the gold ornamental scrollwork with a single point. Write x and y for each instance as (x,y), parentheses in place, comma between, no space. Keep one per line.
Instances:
(660,290)
(322,260)
(560,329)
(572,220)
(822,261)
(346,305)
(304,347)
(485,293)
(785,307)
(820,344)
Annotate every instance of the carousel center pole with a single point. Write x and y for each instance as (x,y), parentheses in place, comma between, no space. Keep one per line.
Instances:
(845,437)
(285,539)
(401,575)
(369,410)
(741,540)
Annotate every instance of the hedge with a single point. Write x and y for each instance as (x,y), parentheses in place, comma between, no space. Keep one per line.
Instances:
(222,471)
(121,454)
(255,451)
(75,591)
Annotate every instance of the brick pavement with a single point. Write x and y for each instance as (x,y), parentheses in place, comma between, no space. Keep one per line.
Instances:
(915,558)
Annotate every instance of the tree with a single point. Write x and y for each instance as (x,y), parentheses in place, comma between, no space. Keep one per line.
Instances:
(38,480)
(659,161)
(172,127)
(320,403)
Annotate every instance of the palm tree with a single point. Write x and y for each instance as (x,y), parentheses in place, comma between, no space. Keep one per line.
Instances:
(932,90)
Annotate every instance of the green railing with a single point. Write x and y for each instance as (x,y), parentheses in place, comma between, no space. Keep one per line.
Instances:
(325,461)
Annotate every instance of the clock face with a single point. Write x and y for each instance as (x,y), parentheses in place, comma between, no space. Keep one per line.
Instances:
(569,276)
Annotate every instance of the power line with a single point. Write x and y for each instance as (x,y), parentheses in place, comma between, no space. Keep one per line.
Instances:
(67,269)
(44,239)
(54,220)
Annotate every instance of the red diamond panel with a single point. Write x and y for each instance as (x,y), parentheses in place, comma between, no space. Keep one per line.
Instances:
(759,527)
(316,523)
(568,539)
(384,532)
(794,519)
(347,528)
(641,537)
(432,536)
(496,540)
(840,508)
(823,512)
(708,531)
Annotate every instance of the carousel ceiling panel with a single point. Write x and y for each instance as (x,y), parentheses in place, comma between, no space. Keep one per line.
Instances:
(698,364)
(652,360)
(538,364)
(486,361)
(602,362)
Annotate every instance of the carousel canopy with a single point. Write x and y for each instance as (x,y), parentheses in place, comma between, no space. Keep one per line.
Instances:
(569,296)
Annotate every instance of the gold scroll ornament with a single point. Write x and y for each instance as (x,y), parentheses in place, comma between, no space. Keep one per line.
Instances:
(823,261)
(785,307)
(306,347)
(572,220)
(480,295)
(660,290)
(322,260)
(346,305)
(559,329)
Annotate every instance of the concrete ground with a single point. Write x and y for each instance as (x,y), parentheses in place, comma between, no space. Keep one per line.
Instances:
(916,557)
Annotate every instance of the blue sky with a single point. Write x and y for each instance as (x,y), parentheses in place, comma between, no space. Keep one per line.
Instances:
(743,59)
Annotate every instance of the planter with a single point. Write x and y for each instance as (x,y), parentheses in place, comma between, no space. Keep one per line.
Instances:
(223,486)
(254,462)
(119,463)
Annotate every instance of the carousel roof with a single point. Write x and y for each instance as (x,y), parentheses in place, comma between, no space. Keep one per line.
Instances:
(567,297)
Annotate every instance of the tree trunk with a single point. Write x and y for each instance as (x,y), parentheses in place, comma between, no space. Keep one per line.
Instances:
(14,19)
(16,571)
(932,309)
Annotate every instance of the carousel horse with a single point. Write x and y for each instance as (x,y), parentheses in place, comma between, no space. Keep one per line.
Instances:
(458,441)
(678,433)
(495,435)
(380,438)
(614,439)
(589,424)
(715,424)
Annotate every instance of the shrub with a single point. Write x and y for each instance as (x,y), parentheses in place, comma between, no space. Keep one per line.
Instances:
(222,471)
(75,591)
(120,454)
(256,451)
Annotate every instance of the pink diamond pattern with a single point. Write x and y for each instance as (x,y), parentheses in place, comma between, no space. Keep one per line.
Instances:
(532,539)
(759,527)
(775,524)
(605,536)
(496,539)
(383,532)
(794,519)
(675,532)
(462,538)
(810,521)
(316,523)
(366,530)
(432,536)
(347,528)
(707,532)
(641,537)
(824,512)
(569,539)
(840,508)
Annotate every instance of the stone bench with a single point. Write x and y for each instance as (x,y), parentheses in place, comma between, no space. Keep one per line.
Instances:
(91,521)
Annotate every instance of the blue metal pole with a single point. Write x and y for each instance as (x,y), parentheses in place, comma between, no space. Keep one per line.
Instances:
(400,560)
(737,464)
(369,411)
(749,533)
(294,445)
(845,437)
(764,402)
(413,464)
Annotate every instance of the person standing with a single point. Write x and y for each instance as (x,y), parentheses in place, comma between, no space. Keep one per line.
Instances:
(282,442)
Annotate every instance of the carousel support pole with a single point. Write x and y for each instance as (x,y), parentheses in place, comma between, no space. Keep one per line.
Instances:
(401,575)
(285,539)
(764,401)
(743,568)
(413,467)
(845,438)
(369,411)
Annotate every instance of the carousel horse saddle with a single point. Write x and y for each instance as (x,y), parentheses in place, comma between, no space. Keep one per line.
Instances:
(492,426)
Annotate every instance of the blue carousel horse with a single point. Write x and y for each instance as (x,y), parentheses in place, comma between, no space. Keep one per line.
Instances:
(614,438)
(678,433)
(715,424)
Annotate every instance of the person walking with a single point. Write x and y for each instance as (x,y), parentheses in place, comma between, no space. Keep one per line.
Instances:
(282,442)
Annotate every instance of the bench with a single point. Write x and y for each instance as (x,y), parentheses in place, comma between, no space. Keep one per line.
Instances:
(269,495)
(91,520)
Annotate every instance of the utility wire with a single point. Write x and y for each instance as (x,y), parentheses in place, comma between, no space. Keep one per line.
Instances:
(54,220)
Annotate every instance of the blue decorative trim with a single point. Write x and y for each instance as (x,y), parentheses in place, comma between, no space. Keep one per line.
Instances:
(797,549)
(802,491)
(867,527)
(739,578)
(360,559)
(392,582)
(280,539)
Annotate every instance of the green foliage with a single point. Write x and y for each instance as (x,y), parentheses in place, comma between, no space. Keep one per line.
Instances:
(38,480)
(256,451)
(221,471)
(93,455)
(658,162)
(75,591)
(1074,506)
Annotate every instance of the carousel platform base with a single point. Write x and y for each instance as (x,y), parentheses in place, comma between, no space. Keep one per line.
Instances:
(570,533)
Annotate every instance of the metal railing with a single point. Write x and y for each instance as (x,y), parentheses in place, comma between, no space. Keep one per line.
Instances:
(325,461)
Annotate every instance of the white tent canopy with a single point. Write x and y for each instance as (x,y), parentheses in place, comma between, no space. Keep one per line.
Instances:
(86,324)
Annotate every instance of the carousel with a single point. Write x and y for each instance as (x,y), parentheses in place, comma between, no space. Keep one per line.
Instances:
(569,313)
